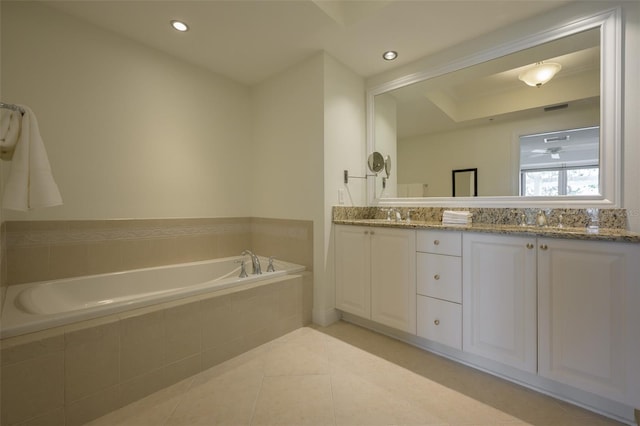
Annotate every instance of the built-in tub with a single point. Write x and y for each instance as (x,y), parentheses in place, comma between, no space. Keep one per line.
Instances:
(41,305)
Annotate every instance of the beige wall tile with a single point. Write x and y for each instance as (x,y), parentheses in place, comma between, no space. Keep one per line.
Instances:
(32,345)
(215,314)
(100,246)
(104,256)
(216,355)
(136,254)
(52,418)
(143,344)
(32,388)
(68,260)
(27,264)
(183,331)
(183,368)
(93,406)
(92,360)
(142,385)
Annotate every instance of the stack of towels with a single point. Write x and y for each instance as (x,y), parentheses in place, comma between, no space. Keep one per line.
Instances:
(450,217)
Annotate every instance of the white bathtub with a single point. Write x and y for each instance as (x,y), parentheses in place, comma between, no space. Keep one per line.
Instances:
(37,306)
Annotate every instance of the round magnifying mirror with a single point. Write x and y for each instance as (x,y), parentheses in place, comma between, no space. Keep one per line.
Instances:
(376,162)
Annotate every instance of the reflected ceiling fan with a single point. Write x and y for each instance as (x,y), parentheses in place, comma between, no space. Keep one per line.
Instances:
(553,152)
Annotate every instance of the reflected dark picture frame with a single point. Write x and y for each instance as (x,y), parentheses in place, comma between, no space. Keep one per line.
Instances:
(473,174)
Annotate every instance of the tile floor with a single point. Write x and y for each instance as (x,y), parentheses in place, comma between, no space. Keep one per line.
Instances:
(345,375)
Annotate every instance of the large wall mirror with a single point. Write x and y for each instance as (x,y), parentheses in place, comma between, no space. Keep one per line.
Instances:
(557,142)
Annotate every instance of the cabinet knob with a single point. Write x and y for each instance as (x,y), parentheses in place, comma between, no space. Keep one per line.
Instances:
(436,242)
(543,246)
(436,277)
(366,232)
(371,232)
(437,322)
(529,246)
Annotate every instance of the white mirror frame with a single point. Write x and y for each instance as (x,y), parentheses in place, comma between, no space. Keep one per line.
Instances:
(610,24)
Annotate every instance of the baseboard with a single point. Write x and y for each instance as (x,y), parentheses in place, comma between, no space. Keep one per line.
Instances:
(325,318)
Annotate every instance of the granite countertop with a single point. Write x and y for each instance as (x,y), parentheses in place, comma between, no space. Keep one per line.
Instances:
(582,233)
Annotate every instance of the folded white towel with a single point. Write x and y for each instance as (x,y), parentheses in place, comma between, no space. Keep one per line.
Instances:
(30,184)
(9,132)
(456,217)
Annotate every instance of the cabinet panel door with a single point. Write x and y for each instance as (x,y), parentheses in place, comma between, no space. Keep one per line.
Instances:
(393,278)
(499,298)
(352,253)
(439,276)
(588,323)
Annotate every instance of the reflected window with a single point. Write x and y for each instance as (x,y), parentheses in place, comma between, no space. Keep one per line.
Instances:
(567,181)
(564,163)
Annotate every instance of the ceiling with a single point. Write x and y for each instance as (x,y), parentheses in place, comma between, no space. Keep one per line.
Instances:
(251,40)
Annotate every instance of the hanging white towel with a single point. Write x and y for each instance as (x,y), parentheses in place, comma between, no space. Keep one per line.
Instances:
(30,184)
(9,132)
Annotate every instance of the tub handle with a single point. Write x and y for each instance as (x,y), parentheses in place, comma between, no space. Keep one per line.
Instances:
(243,271)
(271,268)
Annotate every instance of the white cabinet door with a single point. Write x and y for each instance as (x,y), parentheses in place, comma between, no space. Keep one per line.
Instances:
(393,278)
(353,270)
(499,298)
(588,316)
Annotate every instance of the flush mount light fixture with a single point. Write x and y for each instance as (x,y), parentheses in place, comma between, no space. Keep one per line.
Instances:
(389,55)
(540,73)
(179,26)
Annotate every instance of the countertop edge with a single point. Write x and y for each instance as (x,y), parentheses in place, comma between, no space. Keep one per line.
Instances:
(612,235)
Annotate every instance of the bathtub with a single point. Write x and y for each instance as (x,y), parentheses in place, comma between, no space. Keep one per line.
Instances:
(41,305)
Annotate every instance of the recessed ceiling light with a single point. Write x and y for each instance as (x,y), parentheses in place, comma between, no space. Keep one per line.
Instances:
(179,26)
(389,55)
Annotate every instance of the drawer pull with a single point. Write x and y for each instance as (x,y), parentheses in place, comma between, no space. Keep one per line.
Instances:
(437,322)
(544,246)
(529,246)
(436,242)
(436,277)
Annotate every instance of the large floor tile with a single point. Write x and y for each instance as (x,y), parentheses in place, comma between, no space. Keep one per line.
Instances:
(346,375)
(295,400)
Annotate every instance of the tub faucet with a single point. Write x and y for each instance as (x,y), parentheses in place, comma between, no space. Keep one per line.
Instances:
(255,262)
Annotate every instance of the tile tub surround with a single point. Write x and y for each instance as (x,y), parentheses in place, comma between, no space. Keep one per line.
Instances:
(71,375)
(612,227)
(346,375)
(46,250)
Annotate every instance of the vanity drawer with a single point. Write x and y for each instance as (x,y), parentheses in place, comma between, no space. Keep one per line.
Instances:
(439,276)
(440,321)
(440,242)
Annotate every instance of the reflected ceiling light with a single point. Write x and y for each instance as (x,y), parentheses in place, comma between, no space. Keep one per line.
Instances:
(389,55)
(179,26)
(540,73)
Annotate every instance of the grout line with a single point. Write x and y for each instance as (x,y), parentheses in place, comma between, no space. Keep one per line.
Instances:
(255,403)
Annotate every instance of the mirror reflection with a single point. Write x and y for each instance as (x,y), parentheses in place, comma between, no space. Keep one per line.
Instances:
(465,183)
(487,117)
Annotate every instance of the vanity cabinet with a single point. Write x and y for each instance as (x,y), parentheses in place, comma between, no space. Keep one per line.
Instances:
(439,287)
(376,274)
(588,323)
(499,293)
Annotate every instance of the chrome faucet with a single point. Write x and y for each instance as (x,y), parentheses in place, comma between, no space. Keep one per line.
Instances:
(255,262)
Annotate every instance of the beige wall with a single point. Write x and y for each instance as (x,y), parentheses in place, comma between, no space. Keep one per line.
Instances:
(287,155)
(130,132)
(491,148)
(344,149)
